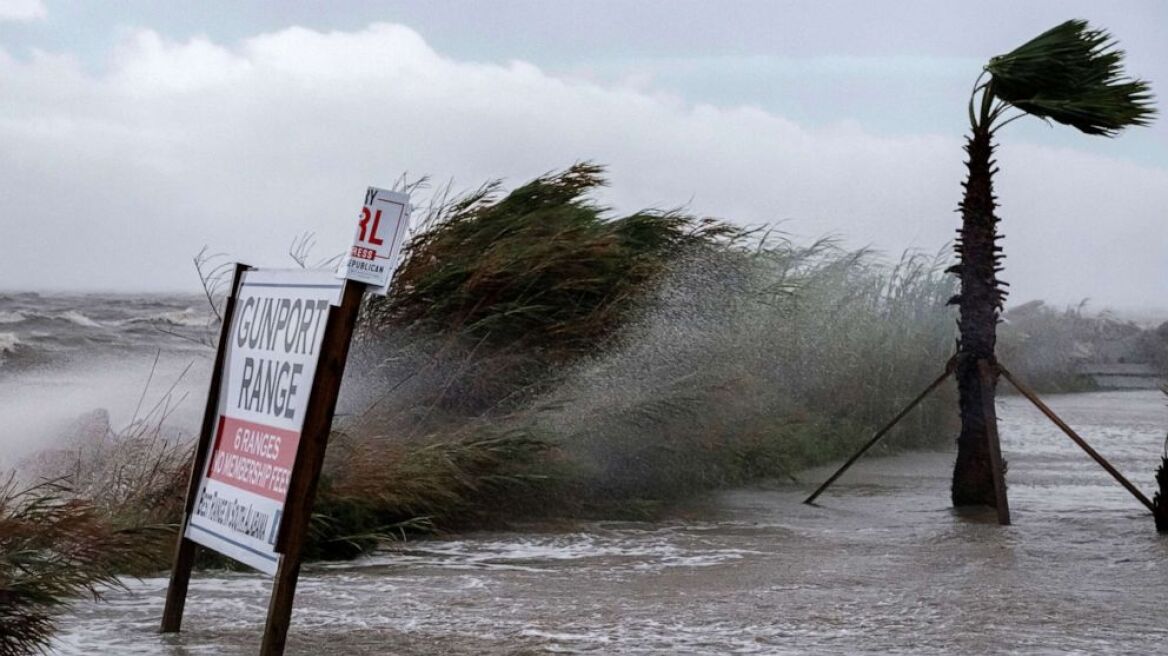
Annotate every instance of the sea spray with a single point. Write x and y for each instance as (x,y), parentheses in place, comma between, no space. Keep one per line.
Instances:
(755,365)
(65,355)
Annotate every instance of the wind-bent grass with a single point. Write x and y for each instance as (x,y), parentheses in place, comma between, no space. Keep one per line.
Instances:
(54,547)
(536,277)
(536,358)
(378,487)
(735,364)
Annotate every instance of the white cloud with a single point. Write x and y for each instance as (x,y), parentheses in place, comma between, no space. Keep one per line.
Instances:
(115,179)
(21,10)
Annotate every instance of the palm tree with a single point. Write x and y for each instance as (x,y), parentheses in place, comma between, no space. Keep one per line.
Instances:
(1073,75)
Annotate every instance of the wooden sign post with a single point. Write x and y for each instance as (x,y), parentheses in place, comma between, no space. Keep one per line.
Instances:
(309,459)
(282,352)
(186,549)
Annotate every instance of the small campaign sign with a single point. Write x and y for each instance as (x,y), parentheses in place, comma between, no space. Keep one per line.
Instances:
(381,228)
(273,346)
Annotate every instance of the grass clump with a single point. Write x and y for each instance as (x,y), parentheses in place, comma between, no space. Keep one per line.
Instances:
(377,488)
(619,363)
(542,267)
(54,547)
(738,358)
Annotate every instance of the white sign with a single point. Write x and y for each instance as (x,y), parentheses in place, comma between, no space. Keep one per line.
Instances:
(272,351)
(381,228)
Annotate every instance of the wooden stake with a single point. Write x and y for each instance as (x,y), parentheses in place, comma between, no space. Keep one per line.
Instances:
(1025,391)
(997,469)
(186,550)
(881,433)
(318,421)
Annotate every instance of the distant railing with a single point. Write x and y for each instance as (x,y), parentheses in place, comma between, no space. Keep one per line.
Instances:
(1123,375)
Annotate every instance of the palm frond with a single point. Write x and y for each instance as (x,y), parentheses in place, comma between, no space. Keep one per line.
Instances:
(1072,74)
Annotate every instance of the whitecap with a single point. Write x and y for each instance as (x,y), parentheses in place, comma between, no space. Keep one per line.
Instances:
(76,317)
(8,342)
(190,318)
(11,317)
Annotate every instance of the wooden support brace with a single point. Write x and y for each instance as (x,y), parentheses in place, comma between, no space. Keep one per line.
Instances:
(318,421)
(1042,407)
(882,432)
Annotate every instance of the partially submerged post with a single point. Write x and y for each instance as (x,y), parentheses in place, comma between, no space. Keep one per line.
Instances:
(309,461)
(186,549)
(1160,500)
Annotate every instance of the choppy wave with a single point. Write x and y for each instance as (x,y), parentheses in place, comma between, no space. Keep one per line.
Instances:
(8,342)
(31,316)
(189,317)
(62,328)
(16,356)
(618,548)
(61,354)
(75,317)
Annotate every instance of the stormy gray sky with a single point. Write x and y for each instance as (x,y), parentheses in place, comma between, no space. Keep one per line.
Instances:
(133,133)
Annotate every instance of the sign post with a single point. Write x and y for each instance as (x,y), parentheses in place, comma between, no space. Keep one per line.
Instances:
(309,459)
(186,549)
(282,352)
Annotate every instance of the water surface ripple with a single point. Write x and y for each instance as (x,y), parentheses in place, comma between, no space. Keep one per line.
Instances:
(882,565)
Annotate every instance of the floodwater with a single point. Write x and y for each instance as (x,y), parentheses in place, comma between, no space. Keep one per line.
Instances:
(882,565)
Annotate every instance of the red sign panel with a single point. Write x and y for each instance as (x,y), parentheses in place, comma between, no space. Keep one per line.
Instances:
(254,457)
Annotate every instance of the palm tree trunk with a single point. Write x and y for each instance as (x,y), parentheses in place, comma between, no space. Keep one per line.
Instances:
(980,302)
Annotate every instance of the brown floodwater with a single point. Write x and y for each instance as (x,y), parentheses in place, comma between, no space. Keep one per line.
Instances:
(882,565)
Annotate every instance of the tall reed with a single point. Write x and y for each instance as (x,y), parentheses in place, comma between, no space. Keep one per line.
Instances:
(748,364)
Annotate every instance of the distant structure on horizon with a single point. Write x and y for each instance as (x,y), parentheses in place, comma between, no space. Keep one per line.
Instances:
(1126,375)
